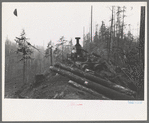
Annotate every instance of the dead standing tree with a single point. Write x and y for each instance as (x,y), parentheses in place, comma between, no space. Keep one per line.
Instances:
(142,35)
(119,31)
(123,25)
(62,42)
(48,52)
(111,34)
(118,27)
(141,48)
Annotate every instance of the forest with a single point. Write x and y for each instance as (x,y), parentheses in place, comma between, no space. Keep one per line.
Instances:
(122,52)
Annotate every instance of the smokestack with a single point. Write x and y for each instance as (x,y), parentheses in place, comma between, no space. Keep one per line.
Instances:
(77,40)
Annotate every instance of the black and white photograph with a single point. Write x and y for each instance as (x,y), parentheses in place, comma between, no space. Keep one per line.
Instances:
(75,51)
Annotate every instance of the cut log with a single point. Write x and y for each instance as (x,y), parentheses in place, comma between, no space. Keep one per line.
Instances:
(80,87)
(97,79)
(112,94)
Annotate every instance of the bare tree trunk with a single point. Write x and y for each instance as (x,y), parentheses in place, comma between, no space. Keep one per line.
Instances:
(24,70)
(142,35)
(123,23)
(111,33)
(51,55)
(91,21)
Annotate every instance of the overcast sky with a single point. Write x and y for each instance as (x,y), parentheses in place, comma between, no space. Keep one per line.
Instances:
(49,21)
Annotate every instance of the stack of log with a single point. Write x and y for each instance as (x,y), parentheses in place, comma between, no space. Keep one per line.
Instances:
(102,86)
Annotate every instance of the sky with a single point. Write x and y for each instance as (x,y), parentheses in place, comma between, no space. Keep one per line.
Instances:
(43,22)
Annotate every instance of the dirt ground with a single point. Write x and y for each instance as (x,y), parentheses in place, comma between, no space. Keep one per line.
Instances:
(52,87)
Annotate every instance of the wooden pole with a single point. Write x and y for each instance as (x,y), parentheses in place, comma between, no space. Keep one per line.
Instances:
(83,34)
(24,62)
(51,54)
(48,57)
(118,26)
(123,23)
(111,32)
(114,21)
(91,21)
(142,35)
(24,70)
(62,50)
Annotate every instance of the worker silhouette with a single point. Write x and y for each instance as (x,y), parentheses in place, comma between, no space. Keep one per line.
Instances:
(73,53)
